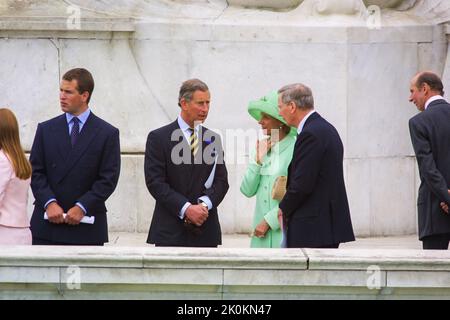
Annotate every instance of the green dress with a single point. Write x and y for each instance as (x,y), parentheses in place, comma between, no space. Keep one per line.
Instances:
(259,180)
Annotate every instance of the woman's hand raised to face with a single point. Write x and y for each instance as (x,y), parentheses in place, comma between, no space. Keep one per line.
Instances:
(262,147)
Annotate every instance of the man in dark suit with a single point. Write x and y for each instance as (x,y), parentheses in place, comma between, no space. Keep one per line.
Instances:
(76,163)
(186,174)
(430,137)
(315,209)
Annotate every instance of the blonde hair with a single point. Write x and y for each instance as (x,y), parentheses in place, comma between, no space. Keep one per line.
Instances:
(10,144)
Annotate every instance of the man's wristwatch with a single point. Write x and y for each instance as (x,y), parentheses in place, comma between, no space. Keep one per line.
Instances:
(203,204)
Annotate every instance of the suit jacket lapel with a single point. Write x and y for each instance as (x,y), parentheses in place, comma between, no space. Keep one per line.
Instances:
(173,142)
(199,166)
(88,133)
(291,164)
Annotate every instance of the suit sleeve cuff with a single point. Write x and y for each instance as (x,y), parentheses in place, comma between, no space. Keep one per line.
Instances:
(183,210)
(48,202)
(82,207)
(254,167)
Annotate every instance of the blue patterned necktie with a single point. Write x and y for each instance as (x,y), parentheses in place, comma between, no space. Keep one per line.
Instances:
(75,130)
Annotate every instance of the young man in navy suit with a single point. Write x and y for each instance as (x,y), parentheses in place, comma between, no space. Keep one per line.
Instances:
(186,174)
(76,164)
(314,210)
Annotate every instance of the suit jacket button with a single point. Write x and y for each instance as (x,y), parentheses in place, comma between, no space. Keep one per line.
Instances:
(53,165)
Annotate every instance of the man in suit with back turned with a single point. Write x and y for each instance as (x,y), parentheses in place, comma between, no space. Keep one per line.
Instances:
(430,137)
(314,210)
(186,174)
(76,163)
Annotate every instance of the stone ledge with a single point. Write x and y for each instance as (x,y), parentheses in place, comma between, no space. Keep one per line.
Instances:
(200,273)
(60,24)
(262,31)
(278,32)
(151,257)
(357,259)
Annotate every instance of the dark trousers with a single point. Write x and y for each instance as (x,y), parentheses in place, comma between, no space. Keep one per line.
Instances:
(44,242)
(330,246)
(436,242)
(178,245)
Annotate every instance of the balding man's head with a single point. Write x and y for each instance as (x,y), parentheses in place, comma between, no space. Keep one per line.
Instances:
(431,79)
(423,86)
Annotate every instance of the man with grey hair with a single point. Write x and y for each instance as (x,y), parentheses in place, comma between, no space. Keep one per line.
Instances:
(186,174)
(314,210)
(430,137)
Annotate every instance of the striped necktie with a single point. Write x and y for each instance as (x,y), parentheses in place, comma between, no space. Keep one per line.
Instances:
(193,141)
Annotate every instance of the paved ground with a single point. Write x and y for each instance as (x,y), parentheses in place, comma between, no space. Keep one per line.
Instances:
(243,241)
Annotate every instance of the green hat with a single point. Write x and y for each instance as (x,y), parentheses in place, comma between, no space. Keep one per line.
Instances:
(269,105)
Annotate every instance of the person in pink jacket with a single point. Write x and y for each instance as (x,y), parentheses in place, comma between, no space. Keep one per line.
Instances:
(15,173)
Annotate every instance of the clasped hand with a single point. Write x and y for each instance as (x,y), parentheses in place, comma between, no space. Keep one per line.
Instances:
(444,206)
(196,214)
(55,214)
(261,229)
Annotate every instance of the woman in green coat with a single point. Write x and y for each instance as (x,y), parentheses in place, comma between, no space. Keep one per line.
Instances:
(269,161)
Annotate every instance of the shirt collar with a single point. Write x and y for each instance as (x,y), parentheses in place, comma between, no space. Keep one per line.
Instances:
(82,117)
(302,123)
(184,126)
(433,98)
